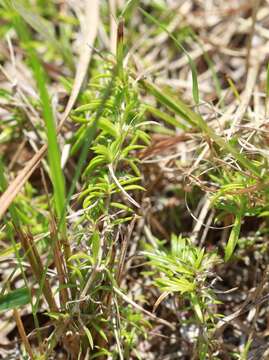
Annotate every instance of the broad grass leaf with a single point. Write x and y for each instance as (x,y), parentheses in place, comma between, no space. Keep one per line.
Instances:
(165,117)
(14,299)
(89,336)
(56,173)
(100,331)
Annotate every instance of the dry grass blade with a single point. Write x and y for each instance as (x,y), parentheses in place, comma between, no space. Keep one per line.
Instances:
(132,201)
(36,264)
(23,334)
(123,252)
(254,66)
(148,313)
(90,32)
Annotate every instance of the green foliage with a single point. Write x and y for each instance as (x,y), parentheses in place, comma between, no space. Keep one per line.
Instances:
(45,29)
(41,80)
(233,238)
(14,299)
(113,119)
(33,214)
(132,327)
(239,196)
(187,270)
(113,168)
(111,116)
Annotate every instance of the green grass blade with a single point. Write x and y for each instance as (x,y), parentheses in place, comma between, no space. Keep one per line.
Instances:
(195,88)
(56,173)
(233,238)
(53,149)
(194,119)
(44,29)
(210,64)
(233,88)
(170,102)
(166,117)
(128,9)
(14,299)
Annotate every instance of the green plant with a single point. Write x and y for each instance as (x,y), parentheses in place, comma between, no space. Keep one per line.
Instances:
(110,180)
(110,117)
(187,271)
(240,196)
(158,134)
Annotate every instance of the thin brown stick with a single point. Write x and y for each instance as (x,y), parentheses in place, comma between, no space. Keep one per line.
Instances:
(123,252)
(60,266)
(23,334)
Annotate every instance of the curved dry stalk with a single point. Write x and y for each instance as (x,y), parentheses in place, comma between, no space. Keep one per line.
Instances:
(23,335)
(90,33)
(140,308)
(111,171)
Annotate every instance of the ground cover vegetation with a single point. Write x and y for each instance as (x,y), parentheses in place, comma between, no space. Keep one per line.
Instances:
(134,195)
